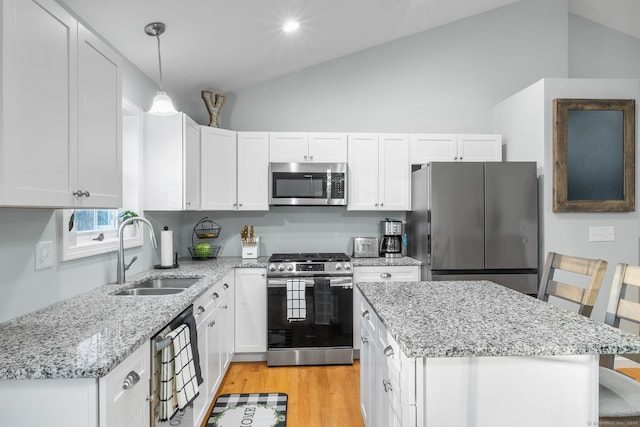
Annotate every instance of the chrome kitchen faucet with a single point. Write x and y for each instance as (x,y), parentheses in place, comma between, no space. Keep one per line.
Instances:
(121,267)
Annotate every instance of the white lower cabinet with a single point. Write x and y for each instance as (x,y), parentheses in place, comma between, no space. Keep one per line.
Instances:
(213,323)
(387,398)
(251,310)
(124,392)
(383,273)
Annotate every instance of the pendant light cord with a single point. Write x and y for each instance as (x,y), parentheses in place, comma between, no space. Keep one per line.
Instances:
(160,64)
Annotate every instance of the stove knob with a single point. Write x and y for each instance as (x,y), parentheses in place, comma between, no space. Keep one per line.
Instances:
(347,266)
(338,266)
(272,267)
(289,267)
(280,267)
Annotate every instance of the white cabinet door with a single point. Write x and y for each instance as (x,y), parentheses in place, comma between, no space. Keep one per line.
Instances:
(251,310)
(125,390)
(479,148)
(367,370)
(425,148)
(363,172)
(39,104)
(288,147)
(218,168)
(213,356)
(395,172)
(328,147)
(253,171)
(192,165)
(201,403)
(99,123)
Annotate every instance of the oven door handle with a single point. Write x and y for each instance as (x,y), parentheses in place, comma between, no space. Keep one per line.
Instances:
(281,283)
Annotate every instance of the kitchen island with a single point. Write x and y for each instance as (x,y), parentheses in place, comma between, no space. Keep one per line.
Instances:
(478,354)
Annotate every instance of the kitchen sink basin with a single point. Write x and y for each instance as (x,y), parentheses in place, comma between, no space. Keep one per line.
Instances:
(150,291)
(163,282)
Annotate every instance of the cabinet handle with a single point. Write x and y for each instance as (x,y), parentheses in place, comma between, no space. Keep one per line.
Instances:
(387,385)
(381,204)
(388,351)
(311,158)
(212,323)
(225,286)
(385,275)
(80,193)
(215,295)
(455,158)
(366,314)
(240,204)
(225,306)
(130,380)
(201,309)
(263,274)
(305,157)
(364,340)
(460,157)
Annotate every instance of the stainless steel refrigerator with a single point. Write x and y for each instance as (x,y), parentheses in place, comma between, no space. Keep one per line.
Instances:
(473,220)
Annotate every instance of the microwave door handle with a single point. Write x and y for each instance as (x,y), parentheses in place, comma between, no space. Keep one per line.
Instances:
(328,186)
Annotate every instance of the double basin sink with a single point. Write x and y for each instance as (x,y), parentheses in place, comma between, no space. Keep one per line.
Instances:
(159,286)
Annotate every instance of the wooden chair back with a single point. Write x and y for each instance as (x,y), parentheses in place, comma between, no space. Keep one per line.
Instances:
(585,297)
(625,279)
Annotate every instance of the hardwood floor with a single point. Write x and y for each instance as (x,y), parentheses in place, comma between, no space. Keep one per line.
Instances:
(632,372)
(324,396)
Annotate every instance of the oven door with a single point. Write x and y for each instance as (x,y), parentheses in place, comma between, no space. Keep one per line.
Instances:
(307,184)
(329,314)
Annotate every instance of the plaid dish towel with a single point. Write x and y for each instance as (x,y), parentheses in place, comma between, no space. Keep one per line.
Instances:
(296,304)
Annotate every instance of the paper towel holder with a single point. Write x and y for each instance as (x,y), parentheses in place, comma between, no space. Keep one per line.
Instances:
(174,264)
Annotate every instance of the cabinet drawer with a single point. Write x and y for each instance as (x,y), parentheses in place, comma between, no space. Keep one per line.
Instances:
(387,274)
(368,318)
(207,302)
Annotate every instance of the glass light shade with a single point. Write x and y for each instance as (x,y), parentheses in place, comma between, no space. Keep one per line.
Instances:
(162,105)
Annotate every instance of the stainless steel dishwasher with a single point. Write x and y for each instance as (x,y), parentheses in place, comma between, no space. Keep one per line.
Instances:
(158,342)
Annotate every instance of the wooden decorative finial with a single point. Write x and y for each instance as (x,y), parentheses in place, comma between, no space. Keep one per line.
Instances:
(214,103)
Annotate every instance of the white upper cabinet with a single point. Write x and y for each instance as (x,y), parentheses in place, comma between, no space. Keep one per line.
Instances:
(218,165)
(379,172)
(427,148)
(61,111)
(253,171)
(297,147)
(171,163)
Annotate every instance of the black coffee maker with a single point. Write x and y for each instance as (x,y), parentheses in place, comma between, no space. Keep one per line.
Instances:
(391,242)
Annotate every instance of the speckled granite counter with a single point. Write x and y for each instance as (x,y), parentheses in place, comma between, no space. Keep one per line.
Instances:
(462,319)
(382,261)
(88,335)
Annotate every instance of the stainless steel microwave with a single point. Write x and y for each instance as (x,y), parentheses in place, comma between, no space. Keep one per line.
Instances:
(300,184)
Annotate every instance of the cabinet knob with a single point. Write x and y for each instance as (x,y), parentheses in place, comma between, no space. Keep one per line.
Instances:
(240,204)
(80,193)
(385,275)
(225,286)
(364,340)
(212,323)
(225,306)
(381,204)
(305,157)
(235,204)
(310,157)
(460,157)
(215,295)
(376,205)
(388,351)
(387,385)
(366,314)
(201,309)
(130,380)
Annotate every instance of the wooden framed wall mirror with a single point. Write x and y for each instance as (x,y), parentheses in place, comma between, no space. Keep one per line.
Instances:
(594,155)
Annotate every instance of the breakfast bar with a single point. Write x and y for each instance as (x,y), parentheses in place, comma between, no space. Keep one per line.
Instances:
(474,353)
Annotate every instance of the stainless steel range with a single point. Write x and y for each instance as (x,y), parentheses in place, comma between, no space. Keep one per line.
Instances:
(310,309)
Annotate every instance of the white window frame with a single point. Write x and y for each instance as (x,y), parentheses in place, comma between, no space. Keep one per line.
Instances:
(80,245)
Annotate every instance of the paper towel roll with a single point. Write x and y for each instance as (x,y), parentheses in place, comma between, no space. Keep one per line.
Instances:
(166,247)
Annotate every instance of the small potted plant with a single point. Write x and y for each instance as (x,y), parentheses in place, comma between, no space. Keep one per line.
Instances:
(123,216)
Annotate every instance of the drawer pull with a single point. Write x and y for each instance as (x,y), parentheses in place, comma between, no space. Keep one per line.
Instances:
(385,275)
(387,385)
(212,323)
(388,351)
(364,340)
(225,286)
(366,314)
(130,380)
(201,309)
(215,295)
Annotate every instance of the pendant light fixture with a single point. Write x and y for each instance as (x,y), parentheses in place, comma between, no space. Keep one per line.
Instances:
(162,104)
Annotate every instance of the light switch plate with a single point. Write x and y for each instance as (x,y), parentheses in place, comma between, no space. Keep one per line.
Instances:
(44,255)
(601,234)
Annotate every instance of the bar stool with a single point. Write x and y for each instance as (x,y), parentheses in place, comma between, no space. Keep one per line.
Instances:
(586,297)
(620,394)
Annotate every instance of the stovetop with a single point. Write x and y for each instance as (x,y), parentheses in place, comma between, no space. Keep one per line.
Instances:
(310,257)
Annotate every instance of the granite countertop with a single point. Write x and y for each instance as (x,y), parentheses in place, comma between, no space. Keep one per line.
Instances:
(88,335)
(382,261)
(481,318)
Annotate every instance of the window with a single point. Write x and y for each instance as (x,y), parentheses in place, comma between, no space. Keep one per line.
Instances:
(87,232)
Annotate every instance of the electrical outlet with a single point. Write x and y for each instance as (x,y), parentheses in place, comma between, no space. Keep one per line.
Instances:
(601,234)
(44,255)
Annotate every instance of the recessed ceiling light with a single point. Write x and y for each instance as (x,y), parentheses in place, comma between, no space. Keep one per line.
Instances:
(290,26)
